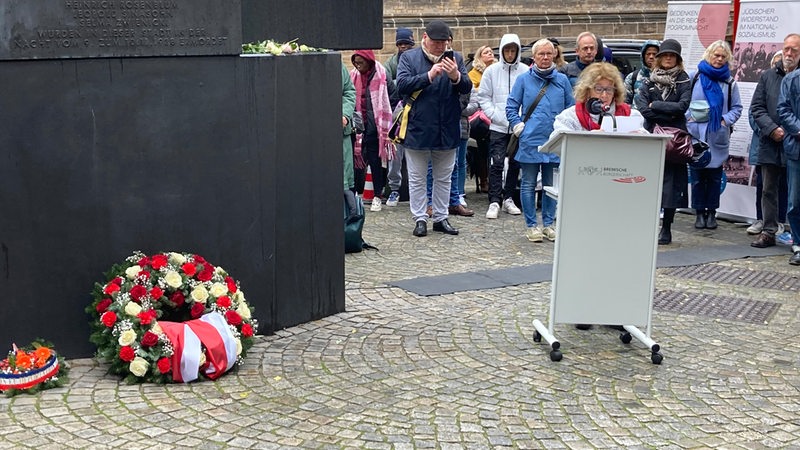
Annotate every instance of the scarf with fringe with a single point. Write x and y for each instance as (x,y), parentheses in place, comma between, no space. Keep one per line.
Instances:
(665,79)
(382,111)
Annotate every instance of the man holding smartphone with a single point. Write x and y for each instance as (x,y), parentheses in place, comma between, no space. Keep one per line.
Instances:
(434,130)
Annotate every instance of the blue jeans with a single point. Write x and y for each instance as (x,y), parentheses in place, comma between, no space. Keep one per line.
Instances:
(706,188)
(527,193)
(459,174)
(793,183)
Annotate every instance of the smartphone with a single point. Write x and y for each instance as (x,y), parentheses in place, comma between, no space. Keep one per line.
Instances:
(448,54)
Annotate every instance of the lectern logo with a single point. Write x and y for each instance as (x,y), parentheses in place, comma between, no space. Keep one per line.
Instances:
(590,170)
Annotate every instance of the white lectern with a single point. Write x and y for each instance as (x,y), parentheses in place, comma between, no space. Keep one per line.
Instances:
(609,195)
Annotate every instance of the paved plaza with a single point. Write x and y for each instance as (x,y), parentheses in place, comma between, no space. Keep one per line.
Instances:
(462,371)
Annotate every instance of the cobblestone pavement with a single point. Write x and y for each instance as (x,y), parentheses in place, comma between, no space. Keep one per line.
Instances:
(462,370)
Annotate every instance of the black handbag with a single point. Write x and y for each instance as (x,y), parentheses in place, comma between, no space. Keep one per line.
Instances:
(513,140)
(679,149)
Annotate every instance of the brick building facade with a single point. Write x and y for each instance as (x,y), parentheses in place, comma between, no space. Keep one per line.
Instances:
(476,22)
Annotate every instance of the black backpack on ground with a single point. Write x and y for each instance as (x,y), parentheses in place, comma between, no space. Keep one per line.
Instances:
(354,224)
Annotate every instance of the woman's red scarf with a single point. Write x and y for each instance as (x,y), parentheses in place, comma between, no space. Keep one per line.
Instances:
(620,109)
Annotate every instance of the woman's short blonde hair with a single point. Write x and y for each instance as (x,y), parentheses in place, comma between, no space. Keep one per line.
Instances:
(544,42)
(708,55)
(477,62)
(595,72)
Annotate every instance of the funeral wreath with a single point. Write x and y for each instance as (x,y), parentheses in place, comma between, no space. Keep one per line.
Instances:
(170,317)
(31,369)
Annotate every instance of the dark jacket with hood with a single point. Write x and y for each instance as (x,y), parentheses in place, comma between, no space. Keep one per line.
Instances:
(764,111)
(633,81)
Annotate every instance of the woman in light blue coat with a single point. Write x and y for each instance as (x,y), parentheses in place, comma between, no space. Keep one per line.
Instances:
(535,132)
(712,124)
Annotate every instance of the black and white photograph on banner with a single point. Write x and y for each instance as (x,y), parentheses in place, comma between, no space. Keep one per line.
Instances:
(749,63)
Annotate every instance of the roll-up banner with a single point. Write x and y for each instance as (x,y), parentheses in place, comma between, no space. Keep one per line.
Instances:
(761,28)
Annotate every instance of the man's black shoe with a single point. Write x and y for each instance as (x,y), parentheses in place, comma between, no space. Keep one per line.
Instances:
(421,228)
(445,227)
(795,259)
(764,240)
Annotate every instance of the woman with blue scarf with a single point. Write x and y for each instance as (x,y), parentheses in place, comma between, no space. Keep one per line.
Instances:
(715,107)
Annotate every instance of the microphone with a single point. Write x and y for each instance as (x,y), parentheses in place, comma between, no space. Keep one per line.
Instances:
(596,106)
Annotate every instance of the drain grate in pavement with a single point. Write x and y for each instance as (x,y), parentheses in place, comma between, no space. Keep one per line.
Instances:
(739,277)
(729,308)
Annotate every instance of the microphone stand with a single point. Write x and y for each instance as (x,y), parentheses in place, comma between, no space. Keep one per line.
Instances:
(613,118)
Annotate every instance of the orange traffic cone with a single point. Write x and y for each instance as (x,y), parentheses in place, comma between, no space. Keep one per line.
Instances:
(369,189)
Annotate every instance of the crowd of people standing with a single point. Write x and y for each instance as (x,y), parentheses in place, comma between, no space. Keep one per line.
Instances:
(532,103)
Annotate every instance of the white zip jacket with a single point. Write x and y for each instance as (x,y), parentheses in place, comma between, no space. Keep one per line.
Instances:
(496,84)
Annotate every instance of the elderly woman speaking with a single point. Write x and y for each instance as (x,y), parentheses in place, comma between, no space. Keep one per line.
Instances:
(599,90)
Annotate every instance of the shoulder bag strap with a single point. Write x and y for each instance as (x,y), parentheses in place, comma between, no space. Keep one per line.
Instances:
(536,102)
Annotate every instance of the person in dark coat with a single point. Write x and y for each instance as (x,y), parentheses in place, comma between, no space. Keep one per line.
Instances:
(764,111)
(663,100)
(434,130)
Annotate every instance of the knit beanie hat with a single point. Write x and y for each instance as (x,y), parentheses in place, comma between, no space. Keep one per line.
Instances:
(404,36)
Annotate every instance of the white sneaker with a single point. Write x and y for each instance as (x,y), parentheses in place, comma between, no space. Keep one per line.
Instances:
(510,207)
(549,233)
(376,204)
(534,234)
(462,201)
(781,229)
(756,227)
(494,208)
(394,197)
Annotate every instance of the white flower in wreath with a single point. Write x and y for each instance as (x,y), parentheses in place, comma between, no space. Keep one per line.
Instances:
(156,328)
(133,309)
(127,337)
(220,271)
(243,310)
(132,271)
(218,289)
(238,346)
(199,294)
(173,279)
(139,366)
(177,258)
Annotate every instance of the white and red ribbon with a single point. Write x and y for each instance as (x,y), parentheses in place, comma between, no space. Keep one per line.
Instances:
(213,333)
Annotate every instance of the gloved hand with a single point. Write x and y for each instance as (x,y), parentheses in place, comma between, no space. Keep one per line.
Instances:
(518,128)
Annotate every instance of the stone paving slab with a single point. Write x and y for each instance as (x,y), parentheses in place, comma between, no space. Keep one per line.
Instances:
(459,371)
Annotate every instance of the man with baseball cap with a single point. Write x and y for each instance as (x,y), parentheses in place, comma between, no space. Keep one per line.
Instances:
(434,129)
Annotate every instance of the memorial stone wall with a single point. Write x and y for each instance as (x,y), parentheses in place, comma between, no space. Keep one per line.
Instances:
(137,125)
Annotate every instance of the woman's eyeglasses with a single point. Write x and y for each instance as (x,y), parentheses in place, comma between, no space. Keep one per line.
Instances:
(604,90)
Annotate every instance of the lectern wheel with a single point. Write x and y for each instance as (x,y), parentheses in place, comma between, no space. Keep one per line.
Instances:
(537,337)
(555,355)
(656,358)
(625,338)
